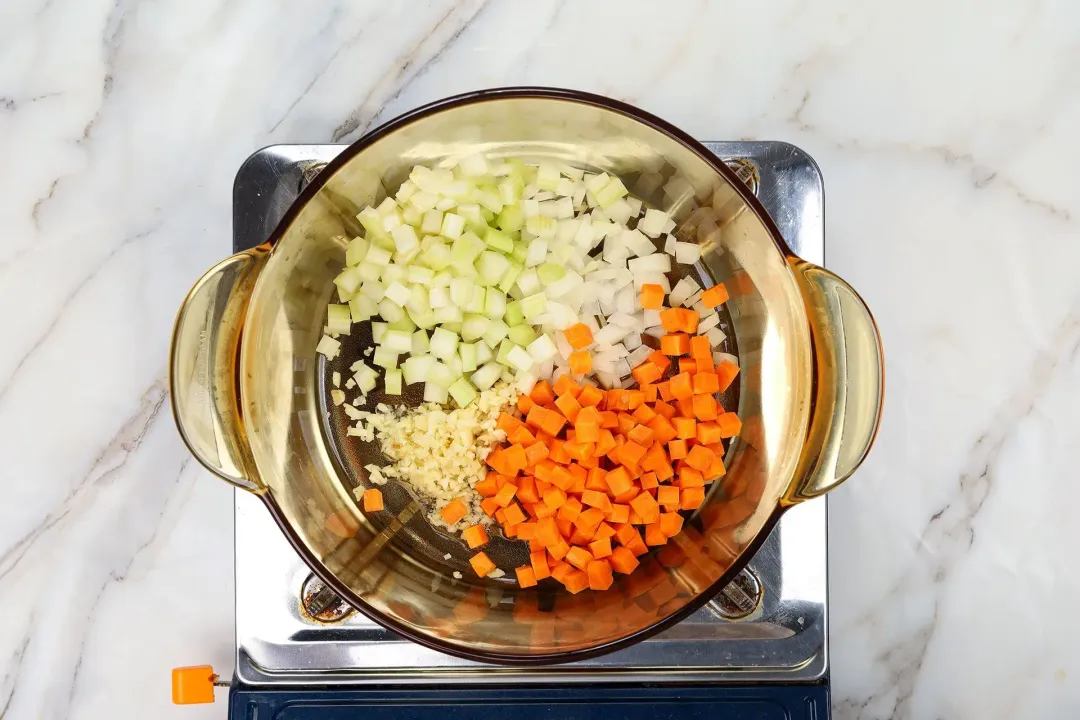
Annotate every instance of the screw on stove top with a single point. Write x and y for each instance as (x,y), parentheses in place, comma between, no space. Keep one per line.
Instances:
(746,171)
(309,172)
(739,598)
(321,604)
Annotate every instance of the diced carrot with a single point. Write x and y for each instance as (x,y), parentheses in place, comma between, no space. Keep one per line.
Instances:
(691,498)
(682,386)
(652,392)
(545,469)
(565,385)
(728,424)
(644,413)
(524,404)
(626,423)
(373,500)
(547,532)
(597,480)
(664,389)
(587,425)
(596,499)
(488,505)
(663,430)
(516,459)
(685,406)
(600,548)
(619,513)
(507,423)
(557,452)
(671,523)
(708,433)
(700,458)
(706,382)
(630,454)
(688,320)
(526,576)
(554,498)
(535,453)
(675,344)
(704,407)
(645,506)
(603,531)
(716,295)
(623,561)
(549,421)
(456,509)
(559,549)
(634,399)
(648,482)
(687,365)
(580,536)
(488,486)
(599,572)
(560,571)
(579,474)
(642,435)
(690,477)
(539,563)
(569,405)
(660,360)
(505,495)
(521,436)
(700,347)
(617,480)
(668,496)
(576,581)
(705,364)
(514,514)
(581,362)
(570,509)
(647,373)
(654,534)
(726,372)
(525,531)
(590,518)
(625,534)
(481,563)
(716,470)
(542,394)
(590,396)
(665,473)
(670,320)
(608,420)
(665,410)
(579,557)
(677,449)
(579,336)
(637,546)
(561,478)
(567,530)
(654,458)
(686,427)
(652,296)
(580,451)
(474,536)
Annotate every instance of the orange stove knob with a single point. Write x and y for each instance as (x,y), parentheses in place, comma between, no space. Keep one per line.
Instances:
(193,685)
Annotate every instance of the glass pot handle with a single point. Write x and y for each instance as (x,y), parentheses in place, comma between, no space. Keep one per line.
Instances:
(203,369)
(849,374)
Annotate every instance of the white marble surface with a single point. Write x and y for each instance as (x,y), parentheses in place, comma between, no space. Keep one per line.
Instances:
(947,134)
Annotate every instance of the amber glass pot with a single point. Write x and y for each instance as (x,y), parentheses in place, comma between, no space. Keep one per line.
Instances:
(244,376)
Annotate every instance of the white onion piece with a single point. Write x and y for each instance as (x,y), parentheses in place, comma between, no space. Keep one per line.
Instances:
(716,336)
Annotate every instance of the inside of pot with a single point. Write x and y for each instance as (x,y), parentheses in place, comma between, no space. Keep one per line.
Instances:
(392,563)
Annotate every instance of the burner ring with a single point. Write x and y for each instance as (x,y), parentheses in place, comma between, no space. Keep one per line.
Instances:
(739,598)
(320,604)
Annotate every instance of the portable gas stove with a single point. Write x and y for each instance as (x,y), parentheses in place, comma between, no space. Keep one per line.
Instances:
(759,650)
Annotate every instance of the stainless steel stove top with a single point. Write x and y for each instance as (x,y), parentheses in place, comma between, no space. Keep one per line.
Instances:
(769,625)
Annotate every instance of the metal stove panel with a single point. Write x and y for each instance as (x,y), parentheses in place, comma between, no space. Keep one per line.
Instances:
(783,639)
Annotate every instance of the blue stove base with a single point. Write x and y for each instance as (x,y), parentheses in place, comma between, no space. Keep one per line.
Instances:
(761,702)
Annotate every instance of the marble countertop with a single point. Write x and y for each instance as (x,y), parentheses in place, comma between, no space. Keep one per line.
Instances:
(947,135)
